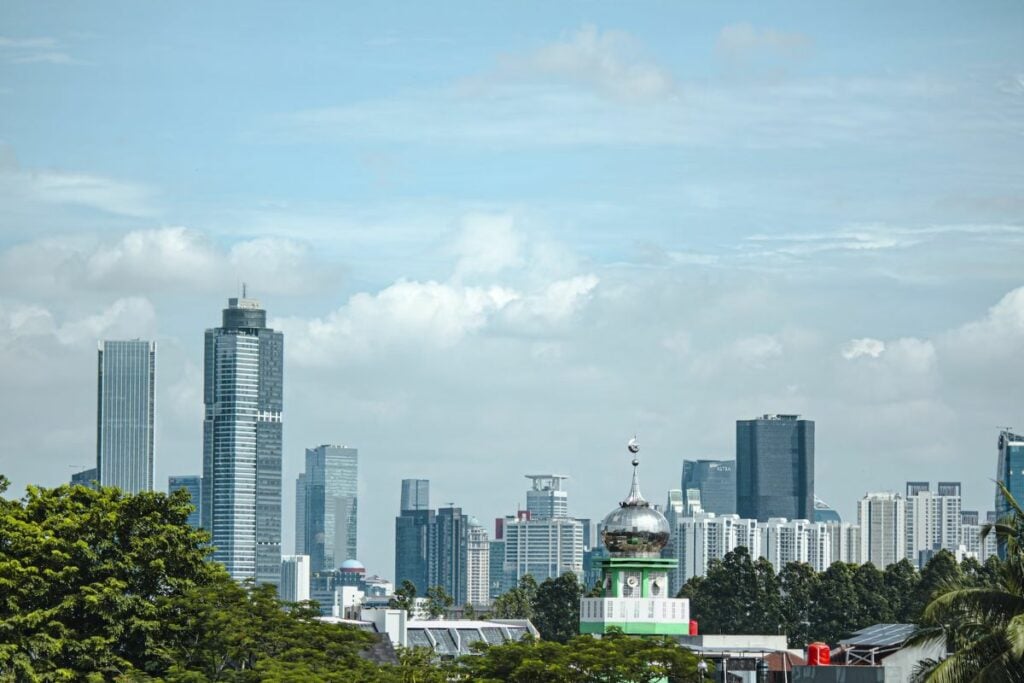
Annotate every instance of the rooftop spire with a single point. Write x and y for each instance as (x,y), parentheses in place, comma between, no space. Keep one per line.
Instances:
(635,498)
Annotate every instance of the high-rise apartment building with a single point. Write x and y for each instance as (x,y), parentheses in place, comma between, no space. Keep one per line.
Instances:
(300,514)
(415,494)
(329,506)
(294,578)
(243,397)
(478,564)
(882,518)
(192,483)
(125,414)
(716,481)
(546,498)
(933,520)
(775,468)
(787,540)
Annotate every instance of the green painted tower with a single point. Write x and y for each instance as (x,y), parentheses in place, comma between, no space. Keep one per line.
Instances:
(635,576)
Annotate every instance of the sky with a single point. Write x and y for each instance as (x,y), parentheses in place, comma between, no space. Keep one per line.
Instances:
(501,238)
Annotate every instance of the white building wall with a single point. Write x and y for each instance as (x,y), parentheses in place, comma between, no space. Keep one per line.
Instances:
(294,578)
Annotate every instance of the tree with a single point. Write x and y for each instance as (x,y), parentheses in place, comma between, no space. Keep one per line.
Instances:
(901,579)
(556,608)
(516,603)
(799,583)
(872,600)
(834,613)
(983,626)
(941,570)
(438,602)
(737,595)
(404,597)
(468,611)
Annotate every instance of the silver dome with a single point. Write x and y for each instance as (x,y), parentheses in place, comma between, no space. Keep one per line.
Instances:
(635,529)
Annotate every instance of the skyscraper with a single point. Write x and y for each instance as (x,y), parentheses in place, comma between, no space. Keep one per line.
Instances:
(242,392)
(126,383)
(478,564)
(330,506)
(775,468)
(1010,470)
(192,483)
(413,552)
(716,481)
(415,494)
(546,498)
(882,518)
(300,514)
(450,545)
(84,478)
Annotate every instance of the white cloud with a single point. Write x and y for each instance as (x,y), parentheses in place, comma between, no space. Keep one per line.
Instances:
(34,50)
(603,60)
(21,186)
(737,40)
(166,260)
(487,245)
(865,346)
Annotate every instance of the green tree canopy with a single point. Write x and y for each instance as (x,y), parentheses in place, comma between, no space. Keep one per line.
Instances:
(556,608)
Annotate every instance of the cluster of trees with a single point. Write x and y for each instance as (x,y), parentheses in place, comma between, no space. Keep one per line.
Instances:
(742,595)
(98,585)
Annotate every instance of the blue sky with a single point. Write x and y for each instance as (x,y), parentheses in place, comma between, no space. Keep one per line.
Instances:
(501,236)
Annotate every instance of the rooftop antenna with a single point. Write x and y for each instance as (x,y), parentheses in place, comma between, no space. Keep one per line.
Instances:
(243,290)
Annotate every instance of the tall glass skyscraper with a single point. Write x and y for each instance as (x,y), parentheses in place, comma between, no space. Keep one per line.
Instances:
(126,383)
(414,553)
(329,505)
(194,485)
(1010,473)
(775,468)
(716,481)
(415,494)
(242,393)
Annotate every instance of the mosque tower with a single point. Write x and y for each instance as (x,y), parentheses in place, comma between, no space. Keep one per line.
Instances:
(634,578)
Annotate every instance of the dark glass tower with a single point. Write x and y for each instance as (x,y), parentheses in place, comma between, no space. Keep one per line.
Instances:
(413,540)
(329,505)
(716,481)
(242,392)
(775,468)
(415,494)
(1010,473)
(194,485)
(450,546)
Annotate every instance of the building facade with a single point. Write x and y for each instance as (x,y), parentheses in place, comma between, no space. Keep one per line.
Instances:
(775,468)
(192,483)
(329,505)
(449,546)
(543,540)
(478,564)
(933,520)
(415,494)
(1009,472)
(85,478)
(243,398)
(413,551)
(882,518)
(716,481)
(546,498)
(294,578)
(125,414)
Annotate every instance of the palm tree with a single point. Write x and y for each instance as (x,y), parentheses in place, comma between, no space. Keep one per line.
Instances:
(983,626)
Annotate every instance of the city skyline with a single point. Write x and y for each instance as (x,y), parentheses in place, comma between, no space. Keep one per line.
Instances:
(498,244)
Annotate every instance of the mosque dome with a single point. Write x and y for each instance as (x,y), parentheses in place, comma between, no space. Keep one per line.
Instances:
(635,529)
(352,566)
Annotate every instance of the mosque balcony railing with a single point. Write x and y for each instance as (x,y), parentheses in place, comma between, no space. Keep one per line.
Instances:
(635,610)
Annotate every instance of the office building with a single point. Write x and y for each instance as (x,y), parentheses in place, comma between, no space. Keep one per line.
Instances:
(1009,473)
(449,546)
(775,468)
(543,540)
(415,494)
(242,394)
(125,414)
(330,506)
(546,498)
(478,564)
(933,520)
(716,482)
(294,578)
(300,514)
(823,512)
(192,483)
(882,518)
(85,478)
(496,568)
(413,552)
